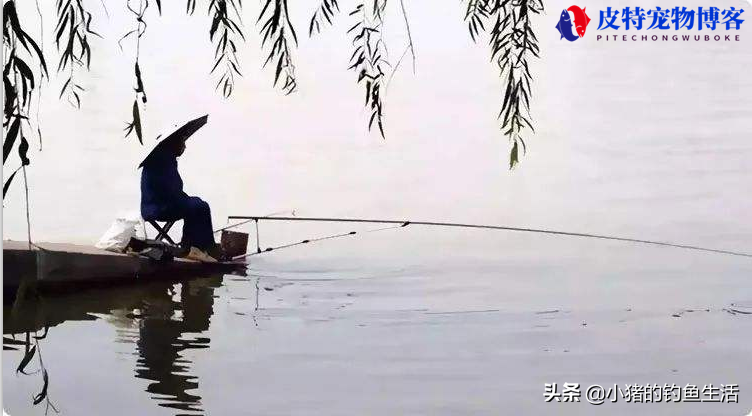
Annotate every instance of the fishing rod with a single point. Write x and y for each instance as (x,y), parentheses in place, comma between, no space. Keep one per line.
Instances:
(404,223)
(237,224)
(309,240)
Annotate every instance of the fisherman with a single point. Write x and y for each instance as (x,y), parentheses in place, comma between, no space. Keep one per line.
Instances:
(163,199)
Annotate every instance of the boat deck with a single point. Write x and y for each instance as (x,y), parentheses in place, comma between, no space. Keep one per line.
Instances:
(50,265)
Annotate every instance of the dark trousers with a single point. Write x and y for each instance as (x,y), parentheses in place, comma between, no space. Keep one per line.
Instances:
(197,224)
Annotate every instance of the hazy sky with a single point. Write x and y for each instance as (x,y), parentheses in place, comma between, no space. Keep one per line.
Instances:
(638,138)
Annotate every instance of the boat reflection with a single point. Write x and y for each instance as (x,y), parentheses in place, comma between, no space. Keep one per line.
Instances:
(162,321)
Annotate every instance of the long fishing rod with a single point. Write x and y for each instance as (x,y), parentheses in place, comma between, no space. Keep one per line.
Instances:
(491,227)
(238,224)
(309,240)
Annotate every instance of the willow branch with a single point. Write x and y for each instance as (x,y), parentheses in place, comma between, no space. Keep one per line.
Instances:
(278,33)
(326,11)
(135,124)
(513,43)
(73,29)
(226,20)
(370,57)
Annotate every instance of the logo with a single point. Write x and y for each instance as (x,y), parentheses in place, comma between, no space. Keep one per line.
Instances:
(572,23)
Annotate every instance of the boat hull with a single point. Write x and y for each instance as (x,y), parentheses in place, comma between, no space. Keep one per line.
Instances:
(57,265)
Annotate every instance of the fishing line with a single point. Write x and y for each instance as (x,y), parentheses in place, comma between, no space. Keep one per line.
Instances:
(312,240)
(499,227)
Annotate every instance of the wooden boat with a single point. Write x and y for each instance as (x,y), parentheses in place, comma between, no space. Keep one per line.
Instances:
(50,266)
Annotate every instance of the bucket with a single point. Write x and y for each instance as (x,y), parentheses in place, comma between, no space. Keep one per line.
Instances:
(234,243)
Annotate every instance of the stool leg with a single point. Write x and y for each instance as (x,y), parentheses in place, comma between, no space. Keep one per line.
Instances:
(167,228)
(163,230)
(162,234)
(169,240)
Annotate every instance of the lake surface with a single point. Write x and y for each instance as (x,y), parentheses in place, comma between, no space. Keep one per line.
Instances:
(468,329)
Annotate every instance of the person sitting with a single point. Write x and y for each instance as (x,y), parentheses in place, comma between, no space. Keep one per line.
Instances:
(163,199)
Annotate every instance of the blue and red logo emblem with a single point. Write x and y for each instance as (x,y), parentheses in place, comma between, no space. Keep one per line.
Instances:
(572,23)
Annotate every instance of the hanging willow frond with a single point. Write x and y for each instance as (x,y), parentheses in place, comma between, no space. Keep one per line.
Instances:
(277,31)
(13,32)
(326,10)
(135,124)
(73,28)
(19,82)
(476,15)
(513,43)
(225,54)
(369,57)
(190,7)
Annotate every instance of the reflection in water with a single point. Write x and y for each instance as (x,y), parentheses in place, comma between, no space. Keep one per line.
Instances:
(161,342)
(162,319)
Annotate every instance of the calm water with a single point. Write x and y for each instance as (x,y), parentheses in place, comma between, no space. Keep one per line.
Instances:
(472,328)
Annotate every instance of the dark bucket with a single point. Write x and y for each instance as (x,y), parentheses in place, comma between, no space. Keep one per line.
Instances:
(234,243)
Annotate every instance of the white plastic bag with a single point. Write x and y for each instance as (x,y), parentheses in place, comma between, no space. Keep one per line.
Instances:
(118,235)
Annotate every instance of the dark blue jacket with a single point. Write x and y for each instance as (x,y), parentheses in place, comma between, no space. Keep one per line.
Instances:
(162,196)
